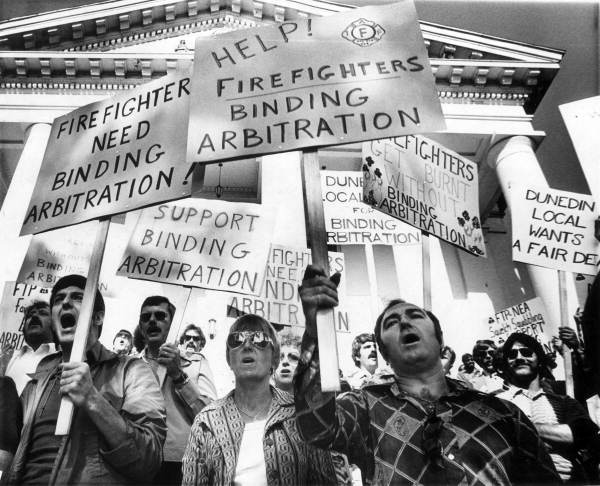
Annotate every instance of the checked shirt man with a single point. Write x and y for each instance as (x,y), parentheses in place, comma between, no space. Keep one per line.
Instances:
(421,427)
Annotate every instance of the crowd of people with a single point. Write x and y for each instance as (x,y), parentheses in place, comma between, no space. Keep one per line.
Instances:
(147,411)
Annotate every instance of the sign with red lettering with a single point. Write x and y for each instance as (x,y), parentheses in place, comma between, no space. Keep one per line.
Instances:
(554,229)
(204,243)
(357,75)
(113,156)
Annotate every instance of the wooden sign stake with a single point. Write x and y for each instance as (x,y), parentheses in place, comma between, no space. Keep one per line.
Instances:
(426,264)
(65,412)
(564,321)
(317,238)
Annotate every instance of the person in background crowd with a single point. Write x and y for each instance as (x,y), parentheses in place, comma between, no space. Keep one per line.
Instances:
(484,355)
(123,342)
(118,427)
(191,343)
(11,420)
(424,427)
(568,342)
(289,356)
(249,437)
(561,421)
(448,357)
(185,388)
(37,331)
(467,368)
(364,355)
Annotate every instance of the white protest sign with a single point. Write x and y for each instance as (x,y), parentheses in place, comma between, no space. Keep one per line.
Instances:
(15,298)
(112,156)
(57,253)
(204,243)
(349,221)
(528,317)
(279,300)
(554,229)
(426,185)
(347,77)
(582,119)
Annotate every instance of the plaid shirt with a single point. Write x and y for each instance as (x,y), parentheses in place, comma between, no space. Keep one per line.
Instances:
(484,440)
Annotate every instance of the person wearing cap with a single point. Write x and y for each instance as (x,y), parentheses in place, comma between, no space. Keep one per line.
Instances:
(123,342)
(562,422)
(249,437)
(187,385)
(118,426)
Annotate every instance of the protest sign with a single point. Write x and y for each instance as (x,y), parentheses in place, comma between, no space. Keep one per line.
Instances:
(57,253)
(201,243)
(528,317)
(554,229)
(357,75)
(279,299)
(349,221)
(582,119)
(15,298)
(112,156)
(426,185)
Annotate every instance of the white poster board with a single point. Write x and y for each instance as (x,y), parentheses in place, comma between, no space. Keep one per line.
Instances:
(426,185)
(554,229)
(352,76)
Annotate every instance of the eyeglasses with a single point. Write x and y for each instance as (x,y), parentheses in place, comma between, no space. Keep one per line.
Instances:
(514,352)
(159,316)
(258,339)
(430,435)
(187,337)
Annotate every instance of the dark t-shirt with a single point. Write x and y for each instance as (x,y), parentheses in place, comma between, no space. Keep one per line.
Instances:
(44,445)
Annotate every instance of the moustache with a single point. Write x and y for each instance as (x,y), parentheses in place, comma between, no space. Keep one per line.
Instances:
(34,320)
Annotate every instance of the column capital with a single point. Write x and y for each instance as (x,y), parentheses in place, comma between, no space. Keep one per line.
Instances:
(509,146)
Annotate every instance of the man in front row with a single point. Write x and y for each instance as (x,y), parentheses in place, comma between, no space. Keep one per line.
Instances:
(186,386)
(422,427)
(118,426)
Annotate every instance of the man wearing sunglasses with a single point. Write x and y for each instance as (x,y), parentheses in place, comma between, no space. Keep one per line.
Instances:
(562,422)
(421,427)
(187,385)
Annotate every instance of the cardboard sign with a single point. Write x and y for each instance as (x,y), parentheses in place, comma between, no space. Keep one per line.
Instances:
(528,317)
(582,119)
(554,229)
(349,221)
(57,253)
(201,243)
(15,298)
(112,156)
(426,185)
(279,299)
(358,75)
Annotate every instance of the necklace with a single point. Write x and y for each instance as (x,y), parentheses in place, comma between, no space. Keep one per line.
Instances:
(249,415)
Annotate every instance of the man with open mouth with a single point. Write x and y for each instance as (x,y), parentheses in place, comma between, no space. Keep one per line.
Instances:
(422,427)
(118,425)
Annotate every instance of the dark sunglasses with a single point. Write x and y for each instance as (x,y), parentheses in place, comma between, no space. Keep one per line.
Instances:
(257,338)
(187,337)
(514,352)
(158,315)
(430,435)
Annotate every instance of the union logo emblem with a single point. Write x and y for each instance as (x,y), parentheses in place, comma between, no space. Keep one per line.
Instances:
(363,32)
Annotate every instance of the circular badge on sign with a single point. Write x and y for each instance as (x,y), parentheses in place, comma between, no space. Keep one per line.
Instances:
(363,32)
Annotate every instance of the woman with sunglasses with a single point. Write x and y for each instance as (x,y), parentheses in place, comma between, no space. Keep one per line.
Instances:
(249,437)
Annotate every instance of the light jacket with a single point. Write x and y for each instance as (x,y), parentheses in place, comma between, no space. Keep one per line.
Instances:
(213,448)
(129,385)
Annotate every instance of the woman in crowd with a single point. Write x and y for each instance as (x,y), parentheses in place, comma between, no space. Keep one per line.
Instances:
(249,437)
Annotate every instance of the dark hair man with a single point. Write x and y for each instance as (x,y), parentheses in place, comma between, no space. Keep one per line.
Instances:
(187,385)
(37,331)
(484,377)
(364,355)
(123,342)
(192,340)
(561,421)
(119,423)
(422,427)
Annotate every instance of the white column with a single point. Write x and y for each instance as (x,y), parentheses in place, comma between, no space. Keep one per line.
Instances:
(16,202)
(515,161)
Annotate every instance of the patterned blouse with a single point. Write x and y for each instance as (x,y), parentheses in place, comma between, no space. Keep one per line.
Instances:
(214,444)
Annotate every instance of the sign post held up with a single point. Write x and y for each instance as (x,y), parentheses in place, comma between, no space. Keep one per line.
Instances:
(317,238)
(564,321)
(426,265)
(65,412)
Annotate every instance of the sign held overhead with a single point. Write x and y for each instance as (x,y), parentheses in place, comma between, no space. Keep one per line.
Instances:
(348,77)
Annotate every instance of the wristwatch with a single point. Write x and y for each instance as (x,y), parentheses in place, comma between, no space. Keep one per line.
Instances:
(181,380)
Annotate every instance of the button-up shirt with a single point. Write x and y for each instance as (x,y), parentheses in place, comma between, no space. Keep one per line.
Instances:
(25,361)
